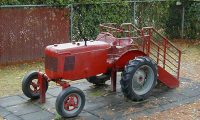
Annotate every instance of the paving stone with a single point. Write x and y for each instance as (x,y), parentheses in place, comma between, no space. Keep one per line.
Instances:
(107,114)
(83,85)
(49,105)
(93,106)
(10,101)
(155,109)
(23,108)
(178,103)
(40,115)
(54,91)
(4,112)
(102,103)
(170,105)
(190,92)
(26,98)
(12,117)
(171,96)
(114,111)
(190,100)
(85,116)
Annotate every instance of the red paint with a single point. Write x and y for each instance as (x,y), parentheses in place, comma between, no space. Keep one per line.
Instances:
(166,78)
(73,61)
(62,83)
(90,60)
(70,104)
(42,86)
(126,56)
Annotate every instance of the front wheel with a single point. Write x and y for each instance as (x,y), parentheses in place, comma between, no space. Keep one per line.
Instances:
(30,85)
(70,102)
(139,78)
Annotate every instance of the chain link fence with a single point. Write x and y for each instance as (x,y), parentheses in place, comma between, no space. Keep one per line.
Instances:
(173,19)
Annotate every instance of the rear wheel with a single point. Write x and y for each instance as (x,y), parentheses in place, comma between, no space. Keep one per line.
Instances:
(99,80)
(30,85)
(70,102)
(139,78)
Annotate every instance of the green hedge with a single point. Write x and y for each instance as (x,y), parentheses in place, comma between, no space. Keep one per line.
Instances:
(191,23)
(165,16)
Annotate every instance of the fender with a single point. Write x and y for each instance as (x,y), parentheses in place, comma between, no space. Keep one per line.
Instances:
(125,57)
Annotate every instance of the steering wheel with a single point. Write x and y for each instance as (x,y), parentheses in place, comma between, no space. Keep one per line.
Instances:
(104,34)
(112,40)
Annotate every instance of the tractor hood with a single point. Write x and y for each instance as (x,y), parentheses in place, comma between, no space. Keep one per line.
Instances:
(77,47)
(66,60)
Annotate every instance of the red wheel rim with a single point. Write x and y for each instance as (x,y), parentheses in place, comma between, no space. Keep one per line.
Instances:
(71,102)
(34,86)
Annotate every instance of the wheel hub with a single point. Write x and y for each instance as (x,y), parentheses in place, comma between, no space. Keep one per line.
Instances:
(142,80)
(140,77)
(71,103)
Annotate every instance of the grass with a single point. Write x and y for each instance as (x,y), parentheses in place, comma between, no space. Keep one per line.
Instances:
(97,93)
(11,77)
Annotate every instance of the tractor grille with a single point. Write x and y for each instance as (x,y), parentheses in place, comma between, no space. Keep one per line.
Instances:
(69,63)
(51,63)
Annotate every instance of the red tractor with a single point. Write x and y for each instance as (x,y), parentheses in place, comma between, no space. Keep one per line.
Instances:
(143,56)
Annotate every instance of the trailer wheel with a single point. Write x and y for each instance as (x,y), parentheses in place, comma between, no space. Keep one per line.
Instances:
(139,78)
(98,80)
(30,85)
(70,102)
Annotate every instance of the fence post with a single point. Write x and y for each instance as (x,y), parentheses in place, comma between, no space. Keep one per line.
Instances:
(134,7)
(71,21)
(182,22)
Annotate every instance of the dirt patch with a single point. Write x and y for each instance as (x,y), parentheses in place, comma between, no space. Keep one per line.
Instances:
(184,112)
(190,60)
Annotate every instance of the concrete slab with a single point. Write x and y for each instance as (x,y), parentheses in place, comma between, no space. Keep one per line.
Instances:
(101,103)
(11,100)
(24,108)
(40,115)
(12,117)
(4,112)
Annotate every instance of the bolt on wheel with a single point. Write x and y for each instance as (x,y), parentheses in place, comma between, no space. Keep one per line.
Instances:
(70,102)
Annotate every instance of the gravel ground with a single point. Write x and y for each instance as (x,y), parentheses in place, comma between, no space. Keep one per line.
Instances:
(184,112)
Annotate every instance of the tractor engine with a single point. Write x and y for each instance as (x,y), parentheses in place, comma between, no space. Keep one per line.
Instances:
(76,60)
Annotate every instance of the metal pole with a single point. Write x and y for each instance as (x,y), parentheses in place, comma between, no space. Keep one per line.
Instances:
(134,7)
(71,22)
(182,22)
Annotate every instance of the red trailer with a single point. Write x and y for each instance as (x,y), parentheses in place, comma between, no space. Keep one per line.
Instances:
(143,56)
